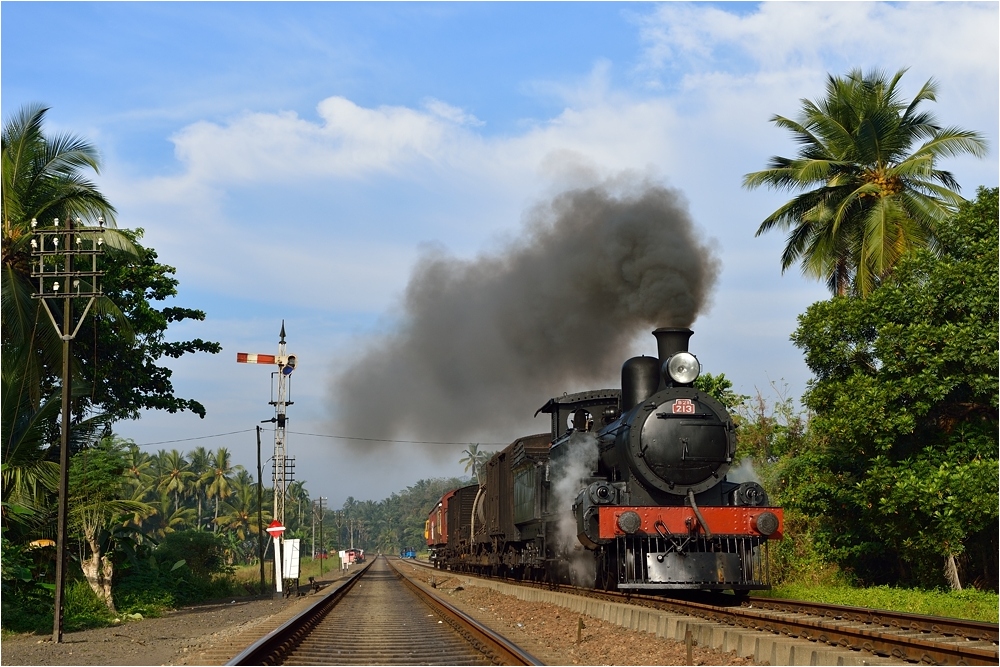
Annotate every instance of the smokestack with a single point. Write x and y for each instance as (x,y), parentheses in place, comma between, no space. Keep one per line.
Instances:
(671,341)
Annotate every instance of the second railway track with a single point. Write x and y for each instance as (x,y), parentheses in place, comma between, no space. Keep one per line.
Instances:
(906,638)
(380,618)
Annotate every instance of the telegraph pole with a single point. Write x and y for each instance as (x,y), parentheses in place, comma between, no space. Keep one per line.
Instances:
(51,247)
(283,465)
(322,544)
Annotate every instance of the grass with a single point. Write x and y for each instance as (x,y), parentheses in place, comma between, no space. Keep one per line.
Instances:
(970,604)
(249,575)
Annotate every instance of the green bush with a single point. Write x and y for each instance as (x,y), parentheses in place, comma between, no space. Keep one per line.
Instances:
(82,609)
(187,567)
(26,603)
(204,554)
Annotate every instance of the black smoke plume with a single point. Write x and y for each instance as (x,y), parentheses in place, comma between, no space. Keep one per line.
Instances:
(482,344)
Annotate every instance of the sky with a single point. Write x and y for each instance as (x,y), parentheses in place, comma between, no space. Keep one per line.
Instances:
(306,163)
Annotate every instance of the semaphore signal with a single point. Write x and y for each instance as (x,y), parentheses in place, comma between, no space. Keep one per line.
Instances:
(283,465)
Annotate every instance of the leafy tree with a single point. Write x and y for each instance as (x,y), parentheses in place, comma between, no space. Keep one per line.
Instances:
(30,470)
(239,512)
(721,389)
(97,502)
(904,473)
(123,371)
(116,349)
(869,197)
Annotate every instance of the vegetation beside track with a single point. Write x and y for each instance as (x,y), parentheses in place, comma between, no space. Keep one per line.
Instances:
(969,603)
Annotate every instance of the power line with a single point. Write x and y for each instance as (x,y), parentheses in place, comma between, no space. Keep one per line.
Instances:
(201,437)
(333,437)
(406,442)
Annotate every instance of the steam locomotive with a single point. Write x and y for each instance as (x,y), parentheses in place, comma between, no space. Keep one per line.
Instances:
(627,491)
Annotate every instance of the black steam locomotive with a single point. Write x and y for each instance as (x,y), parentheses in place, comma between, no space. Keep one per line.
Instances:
(627,491)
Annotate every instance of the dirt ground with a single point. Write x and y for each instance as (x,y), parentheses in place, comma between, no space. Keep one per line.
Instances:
(211,634)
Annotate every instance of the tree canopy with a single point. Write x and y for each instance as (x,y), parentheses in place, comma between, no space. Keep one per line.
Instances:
(904,402)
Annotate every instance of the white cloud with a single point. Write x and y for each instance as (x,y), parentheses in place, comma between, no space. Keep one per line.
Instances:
(788,35)
(349,142)
(451,113)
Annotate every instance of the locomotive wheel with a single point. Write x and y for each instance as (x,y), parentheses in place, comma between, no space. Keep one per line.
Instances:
(606,579)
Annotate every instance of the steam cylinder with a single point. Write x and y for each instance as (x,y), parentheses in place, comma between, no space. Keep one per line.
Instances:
(640,380)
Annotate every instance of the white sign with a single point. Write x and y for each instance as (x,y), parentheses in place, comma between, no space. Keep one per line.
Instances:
(290,559)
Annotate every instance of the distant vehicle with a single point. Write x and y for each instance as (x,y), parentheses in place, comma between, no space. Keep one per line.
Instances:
(408,552)
(355,555)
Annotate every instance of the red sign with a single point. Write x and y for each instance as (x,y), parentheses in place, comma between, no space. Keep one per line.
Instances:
(275,528)
(683,406)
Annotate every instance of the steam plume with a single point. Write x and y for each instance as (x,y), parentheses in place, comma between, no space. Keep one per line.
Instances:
(482,344)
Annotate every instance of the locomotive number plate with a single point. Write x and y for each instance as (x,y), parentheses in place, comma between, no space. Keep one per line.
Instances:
(683,406)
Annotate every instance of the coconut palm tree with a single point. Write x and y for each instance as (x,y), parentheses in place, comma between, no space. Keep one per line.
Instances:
(30,473)
(163,519)
(471,459)
(201,466)
(42,178)
(176,475)
(870,197)
(139,468)
(220,484)
(239,514)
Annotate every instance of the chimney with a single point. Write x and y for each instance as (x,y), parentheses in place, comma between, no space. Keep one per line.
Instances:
(670,341)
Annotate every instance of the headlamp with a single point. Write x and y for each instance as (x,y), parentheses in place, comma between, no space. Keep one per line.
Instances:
(682,368)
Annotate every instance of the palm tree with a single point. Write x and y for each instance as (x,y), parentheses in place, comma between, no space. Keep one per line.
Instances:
(138,469)
(471,459)
(201,466)
(872,199)
(240,510)
(29,476)
(163,519)
(42,179)
(176,475)
(220,483)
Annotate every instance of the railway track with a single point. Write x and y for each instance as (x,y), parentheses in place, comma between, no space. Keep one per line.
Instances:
(894,635)
(379,617)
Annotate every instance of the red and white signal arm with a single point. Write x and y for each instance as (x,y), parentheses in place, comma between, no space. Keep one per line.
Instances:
(275,529)
(287,362)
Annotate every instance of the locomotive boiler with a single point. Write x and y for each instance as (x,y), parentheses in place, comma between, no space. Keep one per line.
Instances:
(628,490)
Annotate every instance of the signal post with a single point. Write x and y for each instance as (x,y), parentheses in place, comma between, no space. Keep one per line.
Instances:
(284,466)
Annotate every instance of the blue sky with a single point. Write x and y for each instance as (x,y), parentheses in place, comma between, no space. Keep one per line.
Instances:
(294,160)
